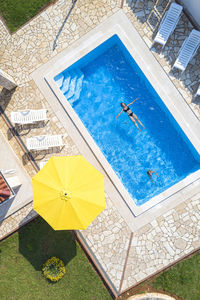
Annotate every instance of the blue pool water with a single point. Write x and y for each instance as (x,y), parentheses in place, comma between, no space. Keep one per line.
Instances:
(95,86)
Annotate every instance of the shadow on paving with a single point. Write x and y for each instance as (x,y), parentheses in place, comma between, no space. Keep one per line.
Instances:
(5,206)
(39,155)
(154,12)
(5,97)
(63,24)
(196,100)
(38,242)
(24,129)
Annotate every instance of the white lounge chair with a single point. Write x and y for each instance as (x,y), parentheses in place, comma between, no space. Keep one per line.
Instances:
(197,92)
(28,116)
(188,50)
(168,24)
(44,142)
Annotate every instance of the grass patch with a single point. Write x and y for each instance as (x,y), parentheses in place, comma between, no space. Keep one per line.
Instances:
(18,12)
(23,254)
(181,281)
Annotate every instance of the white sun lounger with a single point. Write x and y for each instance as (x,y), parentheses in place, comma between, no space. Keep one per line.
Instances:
(28,116)
(197,92)
(168,24)
(44,142)
(188,50)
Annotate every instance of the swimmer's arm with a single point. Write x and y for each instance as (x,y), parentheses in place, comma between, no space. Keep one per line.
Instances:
(155,173)
(132,102)
(119,114)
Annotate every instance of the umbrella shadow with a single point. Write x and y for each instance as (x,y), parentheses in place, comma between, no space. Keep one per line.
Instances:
(39,155)
(24,129)
(38,241)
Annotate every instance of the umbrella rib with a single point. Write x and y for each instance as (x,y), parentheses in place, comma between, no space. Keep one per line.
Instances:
(90,203)
(45,203)
(76,213)
(56,170)
(84,184)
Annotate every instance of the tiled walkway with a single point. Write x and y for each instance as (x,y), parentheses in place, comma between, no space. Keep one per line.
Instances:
(125,257)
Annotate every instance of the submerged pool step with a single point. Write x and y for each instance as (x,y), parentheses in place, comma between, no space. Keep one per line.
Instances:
(72,85)
(59,79)
(66,82)
(75,85)
(78,89)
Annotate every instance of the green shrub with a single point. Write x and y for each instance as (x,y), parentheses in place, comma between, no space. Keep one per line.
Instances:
(53,269)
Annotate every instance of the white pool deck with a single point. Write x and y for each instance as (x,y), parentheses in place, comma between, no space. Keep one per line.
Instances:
(128,244)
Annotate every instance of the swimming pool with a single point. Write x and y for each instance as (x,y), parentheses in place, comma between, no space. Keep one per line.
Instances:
(95,86)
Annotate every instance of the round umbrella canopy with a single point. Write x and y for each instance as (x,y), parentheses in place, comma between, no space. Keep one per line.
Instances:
(68,192)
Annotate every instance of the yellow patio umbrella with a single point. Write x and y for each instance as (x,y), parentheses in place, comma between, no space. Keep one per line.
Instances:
(68,192)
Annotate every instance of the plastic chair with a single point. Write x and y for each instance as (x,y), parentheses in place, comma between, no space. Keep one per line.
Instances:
(44,142)
(28,116)
(168,24)
(188,50)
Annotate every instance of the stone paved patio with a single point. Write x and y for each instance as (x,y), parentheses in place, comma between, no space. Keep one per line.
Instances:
(126,258)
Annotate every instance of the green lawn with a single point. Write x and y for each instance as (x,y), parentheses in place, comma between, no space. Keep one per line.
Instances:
(21,259)
(182,280)
(17,12)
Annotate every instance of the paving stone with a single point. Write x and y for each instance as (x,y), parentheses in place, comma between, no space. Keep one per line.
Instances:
(180,244)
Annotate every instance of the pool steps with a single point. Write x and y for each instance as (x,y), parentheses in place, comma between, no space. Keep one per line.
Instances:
(66,81)
(70,83)
(77,90)
(59,79)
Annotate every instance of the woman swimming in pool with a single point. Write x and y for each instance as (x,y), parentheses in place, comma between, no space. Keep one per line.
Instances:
(131,115)
(150,173)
